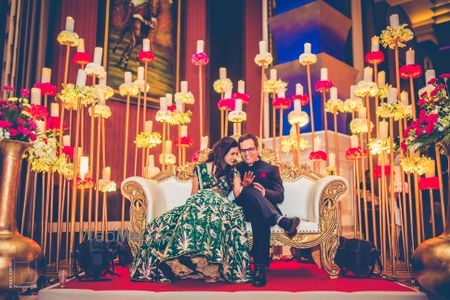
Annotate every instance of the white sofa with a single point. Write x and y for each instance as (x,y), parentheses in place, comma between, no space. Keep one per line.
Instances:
(312,198)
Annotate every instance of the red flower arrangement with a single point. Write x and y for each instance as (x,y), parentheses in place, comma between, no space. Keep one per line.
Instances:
(146,56)
(304,100)
(374,57)
(226,104)
(318,155)
(185,141)
(53,123)
(244,97)
(414,71)
(38,112)
(172,108)
(46,88)
(354,153)
(323,85)
(196,155)
(426,183)
(281,103)
(377,171)
(82,58)
(86,183)
(200,59)
(68,151)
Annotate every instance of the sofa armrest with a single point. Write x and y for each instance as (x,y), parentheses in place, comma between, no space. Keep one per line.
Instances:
(327,189)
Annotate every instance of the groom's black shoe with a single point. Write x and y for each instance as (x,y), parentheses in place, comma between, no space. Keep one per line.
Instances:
(259,276)
(289,225)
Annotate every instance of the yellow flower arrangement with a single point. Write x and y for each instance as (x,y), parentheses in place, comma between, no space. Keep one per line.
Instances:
(42,155)
(358,125)
(397,111)
(307,59)
(383,91)
(128,89)
(366,88)
(141,85)
(398,35)
(333,105)
(101,111)
(263,59)
(273,86)
(379,146)
(352,104)
(301,118)
(163,116)
(64,168)
(70,94)
(289,143)
(419,165)
(179,118)
(220,85)
(237,116)
(148,139)
(186,98)
(68,38)
(102,92)
(105,186)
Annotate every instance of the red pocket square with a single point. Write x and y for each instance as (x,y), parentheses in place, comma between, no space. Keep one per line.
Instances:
(263,175)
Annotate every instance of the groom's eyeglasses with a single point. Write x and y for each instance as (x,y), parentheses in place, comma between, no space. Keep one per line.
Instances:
(248,150)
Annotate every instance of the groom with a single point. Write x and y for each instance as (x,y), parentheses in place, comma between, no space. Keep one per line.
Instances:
(262,191)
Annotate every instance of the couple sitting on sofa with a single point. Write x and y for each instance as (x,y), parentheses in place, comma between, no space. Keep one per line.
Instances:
(207,237)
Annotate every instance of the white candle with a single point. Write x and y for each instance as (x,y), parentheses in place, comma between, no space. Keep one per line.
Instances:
(392,95)
(54,110)
(168,147)
(98,51)
(299,89)
(35,96)
(352,91)
(70,24)
(179,105)
(375,43)
(162,103)
(146,45)
(262,47)
(394,21)
(84,166)
(317,144)
(323,74)
(397,174)
(368,74)
(227,92)
(404,97)
(332,160)
(333,93)
(151,161)
(183,130)
(200,46)
(66,140)
(381,80)
(410,57)
(204,141)
(127,77)
(362,112)
(106,173)
(281,93)
(297,105)
(80,46)
(148,127)
(222,73)
(383,128)
(429,74)
(46,75)
(354,141)
(432,170)
(273,74)
(241,86)
(169,99)
(307,48)
(140,74)
(238,105)
(184,86)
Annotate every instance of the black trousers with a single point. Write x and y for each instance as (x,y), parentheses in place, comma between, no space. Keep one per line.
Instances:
(262,215)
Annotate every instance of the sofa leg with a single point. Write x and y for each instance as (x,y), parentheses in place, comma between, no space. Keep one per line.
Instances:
(328,251)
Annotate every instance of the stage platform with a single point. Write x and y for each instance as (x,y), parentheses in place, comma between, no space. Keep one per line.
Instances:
(285,280)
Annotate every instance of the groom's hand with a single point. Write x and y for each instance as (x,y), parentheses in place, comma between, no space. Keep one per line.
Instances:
(260,188)
(248,179)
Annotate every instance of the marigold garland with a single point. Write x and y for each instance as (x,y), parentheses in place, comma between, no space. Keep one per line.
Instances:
(354,153)
(146,56)
(281,103)
(375,57)
(82,58)
(323,85)
(244,97)
(414,71)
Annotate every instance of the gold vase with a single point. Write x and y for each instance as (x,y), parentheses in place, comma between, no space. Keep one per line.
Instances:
(20,257)
(431,260)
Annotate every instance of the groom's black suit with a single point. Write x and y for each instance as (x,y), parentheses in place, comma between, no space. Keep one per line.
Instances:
(261,211)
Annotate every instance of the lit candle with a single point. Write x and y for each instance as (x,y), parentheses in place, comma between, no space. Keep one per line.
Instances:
(375,43)
(383,128)
(151,161)
(317,144)
(127,77)
(368,74)
(362,112)
(394,21)
(281,93)
(146,45)
(84,166)
(54,109)
(168,147)
(410,57)
(98,51)
(398,174)
(273,74)
(162,104)
(323,74)
(80,46)
(204,141)
(404,97)
(106,173)
(227,92)
(262,47)
(297,105)
(66,140)
(333,93)
(431,169)
(307,47)
(332,160)
(169,99)
(241,86)
(148,127)
(179,105)
(238,105)
(70,24)
(429,74)
(184,86)
(222,73)
(354,141)
(381,80)
(183,130)
(299,89)
(392,95)
(46,75)
(200,46)
(35,96)
(140,73)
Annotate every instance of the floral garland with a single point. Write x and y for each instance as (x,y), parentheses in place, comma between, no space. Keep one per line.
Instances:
(281,103)
(418,165)
(180,118)
(379,146)
(200,59)
(307,59)
(82,58)
(221,85)
(354,153)
(226,104)
(86,183)
(93,69)
(146,56)
(414,71)
(301,118)
(323,85)
(46,88)
(273,86)
(141,84)
(366,88)
(359,125)
(185,141)
(334,105)
(237,116)
(68,38)
(263,59)
(148,139)
(318,156)
(128,89)
(186,98)
(304,99)
(100,111)
(399,35)
(244,97)
(374,57)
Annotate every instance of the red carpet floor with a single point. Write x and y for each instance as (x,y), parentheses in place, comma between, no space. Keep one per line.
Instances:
(282,276)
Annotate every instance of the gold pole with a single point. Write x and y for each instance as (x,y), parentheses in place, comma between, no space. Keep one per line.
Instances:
(226,123)
(66,64)
(311,112)
(163,154)
(50,227)
(280,153)
(359,200)
(97,172)
(297,131)
(59,231)
(433,223)
(261,108)
(363,175)
(397,71)
(392,195)
(413,97)
(221,123)
(33,204)
(200,102)
(336,144)
(418,223)
(24,210)
(325,122)
(383,209)
(80,237)
(137,132)
(144,109)
(47,205)
(125,159)
(441,185)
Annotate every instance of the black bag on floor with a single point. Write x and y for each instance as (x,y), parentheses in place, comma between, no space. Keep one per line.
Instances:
(359,257)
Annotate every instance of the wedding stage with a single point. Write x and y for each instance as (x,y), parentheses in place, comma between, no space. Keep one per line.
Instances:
(287,280)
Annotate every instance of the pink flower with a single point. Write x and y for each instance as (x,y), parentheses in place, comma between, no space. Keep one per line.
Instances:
(431,81)
(32,136)
(429,128)
(12,132)
(8,88)
(5,124)
(20,121)
(445,75)
(403,146)
(25,93)
(419,131)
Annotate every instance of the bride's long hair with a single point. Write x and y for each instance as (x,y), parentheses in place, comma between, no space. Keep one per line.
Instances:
(217,157)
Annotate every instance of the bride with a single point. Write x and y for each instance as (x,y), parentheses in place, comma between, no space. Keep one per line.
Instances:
(205,238)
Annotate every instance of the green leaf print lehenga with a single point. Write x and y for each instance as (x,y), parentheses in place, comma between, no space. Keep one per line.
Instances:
(204,238)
